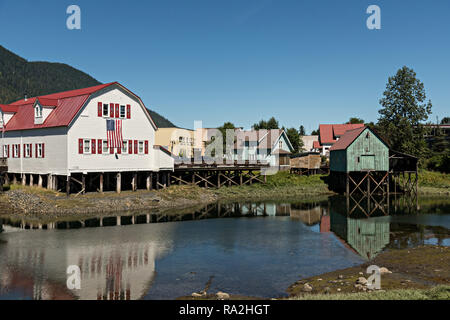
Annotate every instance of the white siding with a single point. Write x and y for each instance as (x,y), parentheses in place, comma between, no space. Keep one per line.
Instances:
(55,160)
(89,125)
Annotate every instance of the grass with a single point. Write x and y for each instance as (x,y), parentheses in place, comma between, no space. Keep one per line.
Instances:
(436,293)
(434,179)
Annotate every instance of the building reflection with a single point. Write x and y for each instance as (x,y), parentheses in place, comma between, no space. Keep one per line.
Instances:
(122,268)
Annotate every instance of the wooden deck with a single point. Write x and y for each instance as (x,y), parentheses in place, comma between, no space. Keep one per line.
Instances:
(208,174)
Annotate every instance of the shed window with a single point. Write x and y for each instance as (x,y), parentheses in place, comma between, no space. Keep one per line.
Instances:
(16,148)
(141,147)
(27,151)
(39,150)
(122,112)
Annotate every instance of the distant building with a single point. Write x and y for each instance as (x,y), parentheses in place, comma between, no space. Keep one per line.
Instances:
(179,141)
(329,134)
(308,143)
(271,146)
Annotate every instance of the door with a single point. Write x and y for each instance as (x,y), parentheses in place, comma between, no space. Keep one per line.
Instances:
(368,162)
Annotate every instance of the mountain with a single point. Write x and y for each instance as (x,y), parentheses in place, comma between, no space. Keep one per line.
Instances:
(19,77)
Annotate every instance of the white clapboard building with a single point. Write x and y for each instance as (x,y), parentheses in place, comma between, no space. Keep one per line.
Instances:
(97,138)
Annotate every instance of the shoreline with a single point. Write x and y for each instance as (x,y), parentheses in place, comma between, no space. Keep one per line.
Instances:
(42,204)
(413,273)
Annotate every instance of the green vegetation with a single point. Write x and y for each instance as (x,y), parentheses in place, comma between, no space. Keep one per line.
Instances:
(434,179)
(282,185)
(404,109)
(19,77)
(437,293)
(160,121)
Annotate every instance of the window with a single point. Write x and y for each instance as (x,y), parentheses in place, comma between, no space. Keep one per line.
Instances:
(87,146)
(105,110)
(16,150)
(39,150)
(122,111)
(125,147)
(281,144)
(27,153)
(141,147)
(105,147)
(38,111)
(5,151)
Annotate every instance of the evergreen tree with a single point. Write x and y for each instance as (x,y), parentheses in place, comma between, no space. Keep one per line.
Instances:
(404,108)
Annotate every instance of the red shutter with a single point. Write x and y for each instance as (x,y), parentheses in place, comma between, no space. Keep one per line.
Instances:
(94,147)
(111,110)
(43,150)
(18,149)
(24,154)
(31,150)
(130,147)
(100,109)
(146,147)
(117,110)
(111,150)
(80,146)
(128,111)
(119,150)
(100,146)
(135,147)
(36,150)
(8,151)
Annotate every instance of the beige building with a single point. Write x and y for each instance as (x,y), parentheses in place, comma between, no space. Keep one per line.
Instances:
(308,143)
(179,141)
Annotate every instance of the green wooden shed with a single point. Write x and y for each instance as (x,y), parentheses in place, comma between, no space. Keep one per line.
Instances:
(359,150)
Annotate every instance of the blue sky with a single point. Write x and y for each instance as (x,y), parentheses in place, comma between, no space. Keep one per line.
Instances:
(302,61)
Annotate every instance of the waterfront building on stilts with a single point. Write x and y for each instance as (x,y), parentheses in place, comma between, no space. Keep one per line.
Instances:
(100,138)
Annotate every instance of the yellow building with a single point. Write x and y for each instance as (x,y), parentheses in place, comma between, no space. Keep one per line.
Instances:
(179,141)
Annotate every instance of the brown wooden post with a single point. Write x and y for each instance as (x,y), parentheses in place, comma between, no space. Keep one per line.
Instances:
(31,180)
(148,181)
(49,182)
(14,178)
(24,179)
(101,182)
(83,183)
(68,185)
(157,181)
(168,179)
(40,181)
(368,192)
(119,182)
(240,178)
(134,182)
(218,179)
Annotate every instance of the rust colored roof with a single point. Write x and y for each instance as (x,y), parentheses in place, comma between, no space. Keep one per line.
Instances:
(347,139)
(281,151)
(8,108)
(67,104)
(316,145)
(329,132)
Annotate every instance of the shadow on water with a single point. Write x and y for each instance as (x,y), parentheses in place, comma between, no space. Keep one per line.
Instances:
(153,256)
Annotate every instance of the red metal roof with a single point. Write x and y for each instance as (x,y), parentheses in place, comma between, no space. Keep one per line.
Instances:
(347,139)
(329,132)
(316,145)
(67,105)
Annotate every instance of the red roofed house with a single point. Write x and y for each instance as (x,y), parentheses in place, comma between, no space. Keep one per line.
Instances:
(329,134)
(91,134)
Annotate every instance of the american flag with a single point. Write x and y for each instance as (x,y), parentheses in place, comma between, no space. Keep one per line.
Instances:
(114,133)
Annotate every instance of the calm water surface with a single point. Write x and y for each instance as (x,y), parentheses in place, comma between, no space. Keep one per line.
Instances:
(250,249)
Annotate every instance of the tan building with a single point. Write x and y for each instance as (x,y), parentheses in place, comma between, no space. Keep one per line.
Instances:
(179,141)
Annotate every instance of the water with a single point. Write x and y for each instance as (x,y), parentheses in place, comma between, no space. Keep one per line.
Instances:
(248,249)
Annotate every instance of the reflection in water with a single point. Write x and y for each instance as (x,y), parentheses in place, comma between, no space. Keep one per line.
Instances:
(141,256)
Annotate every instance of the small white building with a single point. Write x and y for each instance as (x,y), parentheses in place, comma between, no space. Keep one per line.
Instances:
(95,138)
(270,146)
